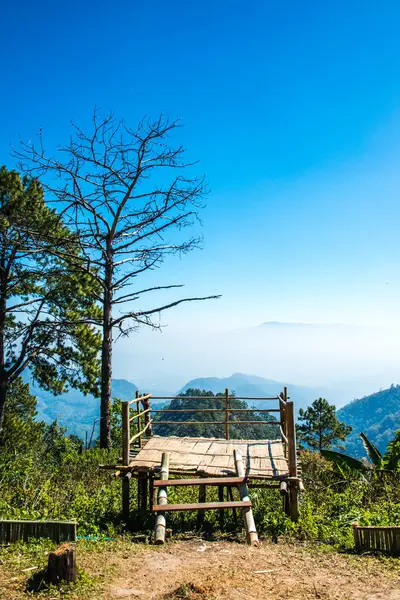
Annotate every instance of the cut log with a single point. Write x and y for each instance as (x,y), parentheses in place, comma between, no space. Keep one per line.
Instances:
(159,534)
(62,565)
(251,532)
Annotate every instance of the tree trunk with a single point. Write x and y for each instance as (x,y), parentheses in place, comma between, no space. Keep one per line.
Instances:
(106,363)
(3,375)
(3,397)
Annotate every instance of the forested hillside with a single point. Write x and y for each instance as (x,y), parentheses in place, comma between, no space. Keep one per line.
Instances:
(207,402)
(72,409)
(377,415)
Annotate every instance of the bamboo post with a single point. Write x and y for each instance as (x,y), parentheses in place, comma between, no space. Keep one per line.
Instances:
(126,434)
(138,419)
(200,513)
(159,533)
(126,496)
(292,461)
(226,414)
(251,532)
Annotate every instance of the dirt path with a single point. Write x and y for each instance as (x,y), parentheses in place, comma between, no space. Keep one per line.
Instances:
(195,570)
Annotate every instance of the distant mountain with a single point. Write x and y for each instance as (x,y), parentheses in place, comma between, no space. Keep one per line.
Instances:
(253,386)
(377,415)
(74,410)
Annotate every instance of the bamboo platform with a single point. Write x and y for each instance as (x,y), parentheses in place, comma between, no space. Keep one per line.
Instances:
(203,461)
(212,457)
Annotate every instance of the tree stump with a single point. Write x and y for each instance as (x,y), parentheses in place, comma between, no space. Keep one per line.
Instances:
(62,564)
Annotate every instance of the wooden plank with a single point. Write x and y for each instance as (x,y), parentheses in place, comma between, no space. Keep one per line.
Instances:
(202,506)
(202,481)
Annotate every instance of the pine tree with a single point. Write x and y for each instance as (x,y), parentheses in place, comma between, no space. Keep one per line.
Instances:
(47,312)
(321,427)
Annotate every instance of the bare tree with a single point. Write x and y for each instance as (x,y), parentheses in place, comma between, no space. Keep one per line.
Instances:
(124,193)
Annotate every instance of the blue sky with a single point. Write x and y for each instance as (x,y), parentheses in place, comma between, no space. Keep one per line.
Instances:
(292,109)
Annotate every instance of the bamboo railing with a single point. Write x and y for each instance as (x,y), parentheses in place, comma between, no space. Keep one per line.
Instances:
(142,412)
(140,422)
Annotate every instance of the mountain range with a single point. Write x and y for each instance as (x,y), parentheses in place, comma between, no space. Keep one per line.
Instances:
(377,415)
(253,386)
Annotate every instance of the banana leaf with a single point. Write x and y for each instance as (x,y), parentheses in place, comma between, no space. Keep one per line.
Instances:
(373,453)
(344,460)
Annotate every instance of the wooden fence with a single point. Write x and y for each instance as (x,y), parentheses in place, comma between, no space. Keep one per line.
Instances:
(58,531)
(383,539)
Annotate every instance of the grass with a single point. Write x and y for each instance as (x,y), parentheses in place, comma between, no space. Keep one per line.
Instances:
(23,566)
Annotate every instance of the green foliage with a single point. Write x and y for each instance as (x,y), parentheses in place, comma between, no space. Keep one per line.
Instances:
(47,309)
(392,455)
(50,475)
(45,474)
(334,500)
(345,464)
(21,432)
(210,401)
(372,451)
(320,427)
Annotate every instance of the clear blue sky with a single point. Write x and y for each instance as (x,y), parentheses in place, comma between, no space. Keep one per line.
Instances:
(291,108)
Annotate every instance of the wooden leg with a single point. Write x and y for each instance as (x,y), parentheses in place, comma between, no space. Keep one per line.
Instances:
(221,516)
(151,491)
(294,502)
(142,491)
(126,497)
(230,494)
(200,513)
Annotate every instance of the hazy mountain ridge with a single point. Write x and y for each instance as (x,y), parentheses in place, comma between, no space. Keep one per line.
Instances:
(254,386)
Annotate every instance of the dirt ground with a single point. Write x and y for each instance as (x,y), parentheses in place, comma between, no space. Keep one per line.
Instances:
(195,570)
(224,570)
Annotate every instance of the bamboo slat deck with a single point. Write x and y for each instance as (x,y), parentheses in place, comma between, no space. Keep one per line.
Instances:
(268,463)
(210,457)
